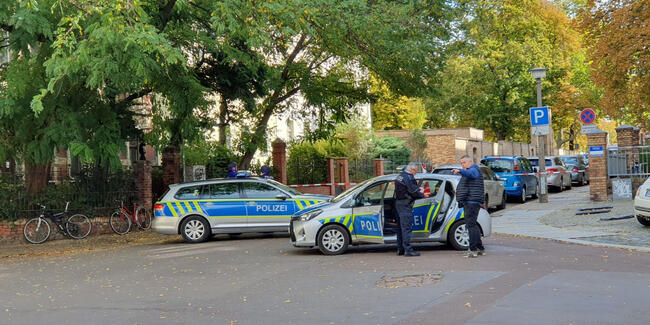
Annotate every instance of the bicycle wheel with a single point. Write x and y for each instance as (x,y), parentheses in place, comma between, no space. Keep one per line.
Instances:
(143,218)
(120,222)
(78,226)
(36,230)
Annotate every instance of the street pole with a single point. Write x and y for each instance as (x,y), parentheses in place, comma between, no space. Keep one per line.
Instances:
(541,150)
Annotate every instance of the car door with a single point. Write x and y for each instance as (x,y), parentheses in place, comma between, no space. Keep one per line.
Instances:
(367,214)
(530,180)
(489,186)
(426,210)
(223,204)
(267,206)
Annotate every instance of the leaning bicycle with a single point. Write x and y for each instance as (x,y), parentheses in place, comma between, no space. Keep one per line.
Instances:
(122,219)
(37,230)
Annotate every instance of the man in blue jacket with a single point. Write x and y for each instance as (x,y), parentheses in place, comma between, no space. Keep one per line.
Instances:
(406,191)
(469,195)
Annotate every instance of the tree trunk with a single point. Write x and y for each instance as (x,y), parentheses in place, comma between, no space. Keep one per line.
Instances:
(258,136)
(36,178)
(223,114)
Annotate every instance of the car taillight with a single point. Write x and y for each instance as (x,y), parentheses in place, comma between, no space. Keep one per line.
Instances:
(575,169)
(516,168)
(551,170)
(159,207)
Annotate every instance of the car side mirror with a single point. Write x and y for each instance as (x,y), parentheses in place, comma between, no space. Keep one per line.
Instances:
(281,197)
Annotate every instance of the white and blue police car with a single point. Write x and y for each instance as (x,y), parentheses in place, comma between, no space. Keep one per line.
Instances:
(365,214)
(198,210)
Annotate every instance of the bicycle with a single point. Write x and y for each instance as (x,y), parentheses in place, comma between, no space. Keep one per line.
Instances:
(37,230)
(122,219)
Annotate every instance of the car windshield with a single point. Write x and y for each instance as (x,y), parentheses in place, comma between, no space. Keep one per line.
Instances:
(570,160)
(499,165)
(443,171)
(535,162)
(349,191)
(284,187)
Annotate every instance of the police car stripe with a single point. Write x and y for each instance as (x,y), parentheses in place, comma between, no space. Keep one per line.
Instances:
(460,215)
(171,208)
(299,204)
(180,207)
(436,208)
(189,207)
(198,207)
(368,236)
(233,217)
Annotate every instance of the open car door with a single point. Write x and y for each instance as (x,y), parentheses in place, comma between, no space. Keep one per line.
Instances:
(426,210)
(367,214)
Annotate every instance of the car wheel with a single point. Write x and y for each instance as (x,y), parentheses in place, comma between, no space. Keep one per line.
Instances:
(643,220)
(503,202)
(195,229)
(561,188)
(458,237)
(570,186)
(333,240)
(522,198)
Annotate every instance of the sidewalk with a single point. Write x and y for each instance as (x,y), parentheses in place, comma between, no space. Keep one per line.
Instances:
(556,220)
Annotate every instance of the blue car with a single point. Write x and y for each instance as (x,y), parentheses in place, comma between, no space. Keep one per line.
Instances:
(517,175)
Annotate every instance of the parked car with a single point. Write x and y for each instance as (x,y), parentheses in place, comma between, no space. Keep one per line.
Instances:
(642,203)
(198,210)
(578,168)
(559,177)
(495,192)
(365,214)
(517,174)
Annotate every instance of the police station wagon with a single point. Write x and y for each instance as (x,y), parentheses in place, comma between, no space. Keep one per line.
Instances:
(198,210)
(365,214)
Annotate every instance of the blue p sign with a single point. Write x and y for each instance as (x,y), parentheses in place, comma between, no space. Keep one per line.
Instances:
(539,116)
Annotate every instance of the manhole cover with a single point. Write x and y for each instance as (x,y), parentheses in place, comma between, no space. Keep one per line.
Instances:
(409,280)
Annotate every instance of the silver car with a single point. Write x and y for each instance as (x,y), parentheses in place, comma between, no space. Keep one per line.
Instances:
(558,176)
(495,192)
(578,167)
(365,214)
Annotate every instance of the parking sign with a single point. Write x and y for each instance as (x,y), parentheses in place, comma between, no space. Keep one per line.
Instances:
(540,118)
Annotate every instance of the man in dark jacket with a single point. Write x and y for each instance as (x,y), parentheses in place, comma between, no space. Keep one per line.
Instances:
(406,191)
(469,194)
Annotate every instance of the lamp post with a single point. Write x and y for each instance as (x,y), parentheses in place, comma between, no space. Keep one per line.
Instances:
(538,74)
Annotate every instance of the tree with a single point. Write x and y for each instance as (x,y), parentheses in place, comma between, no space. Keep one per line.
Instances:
(617,34)
(392,111)
(487,83)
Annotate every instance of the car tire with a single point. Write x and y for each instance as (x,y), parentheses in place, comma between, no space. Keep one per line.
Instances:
(458,237)
(522,198)
(561,188)
(643,220)
(195,229)
(570,184)
(333,240)
(503,202)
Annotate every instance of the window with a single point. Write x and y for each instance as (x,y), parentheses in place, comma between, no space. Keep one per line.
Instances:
(189,193)
(443,171)
(390,191)
(371,196)
(431,185)
(260,191)
(488,174)
(499,165)
(223,191)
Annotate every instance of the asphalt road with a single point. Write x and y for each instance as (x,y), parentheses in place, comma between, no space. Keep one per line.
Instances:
(263,280)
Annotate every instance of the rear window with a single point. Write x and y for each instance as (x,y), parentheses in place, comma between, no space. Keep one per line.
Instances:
(499,165)
(570,160)
(443,171)
(189,193)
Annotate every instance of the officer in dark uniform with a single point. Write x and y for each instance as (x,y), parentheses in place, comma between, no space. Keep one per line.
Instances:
(406,191)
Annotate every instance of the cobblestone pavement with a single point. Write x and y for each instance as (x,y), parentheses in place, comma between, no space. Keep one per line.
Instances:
(560,213)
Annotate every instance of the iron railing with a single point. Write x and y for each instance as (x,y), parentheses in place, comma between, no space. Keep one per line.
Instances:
(628,161)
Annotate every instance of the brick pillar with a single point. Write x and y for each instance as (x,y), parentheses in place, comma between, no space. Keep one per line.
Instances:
(628,142)
(279,153)
(598,167)
(378,167)
(142,169)
(331,177)
(343,172)
(171,162)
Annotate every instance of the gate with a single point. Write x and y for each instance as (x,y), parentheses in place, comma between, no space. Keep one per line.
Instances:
(628,167)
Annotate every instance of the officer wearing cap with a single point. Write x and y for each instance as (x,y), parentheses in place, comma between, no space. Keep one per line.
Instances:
(406,191)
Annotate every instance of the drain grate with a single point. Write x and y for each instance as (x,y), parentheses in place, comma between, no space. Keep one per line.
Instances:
(409,280)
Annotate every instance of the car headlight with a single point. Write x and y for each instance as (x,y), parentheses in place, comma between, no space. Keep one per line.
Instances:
(309,215)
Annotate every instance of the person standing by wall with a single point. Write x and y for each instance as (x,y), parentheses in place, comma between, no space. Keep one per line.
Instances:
(469,194)
(406,191)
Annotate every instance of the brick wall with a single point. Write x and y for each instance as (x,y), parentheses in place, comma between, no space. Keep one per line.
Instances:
(171,164)
(598,179)
(142,169)
(442,149)
(323,190)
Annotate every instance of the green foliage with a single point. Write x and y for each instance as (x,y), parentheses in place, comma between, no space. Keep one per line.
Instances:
(357,138)
(393,149)
(306,163)
(417,142)
(219,157)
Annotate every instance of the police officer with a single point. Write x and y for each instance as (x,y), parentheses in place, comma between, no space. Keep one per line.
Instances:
(406,191)
(469,194)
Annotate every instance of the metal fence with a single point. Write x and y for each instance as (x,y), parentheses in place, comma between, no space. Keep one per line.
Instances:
(360,169)
(306,171)
(92,191)
(628,161)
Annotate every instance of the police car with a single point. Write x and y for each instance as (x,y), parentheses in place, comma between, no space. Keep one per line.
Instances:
(198,210)
(365,214)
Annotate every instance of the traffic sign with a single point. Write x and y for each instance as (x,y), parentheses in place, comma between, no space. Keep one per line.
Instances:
(540,118)
(596,151)
(587,116)
(588,128)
